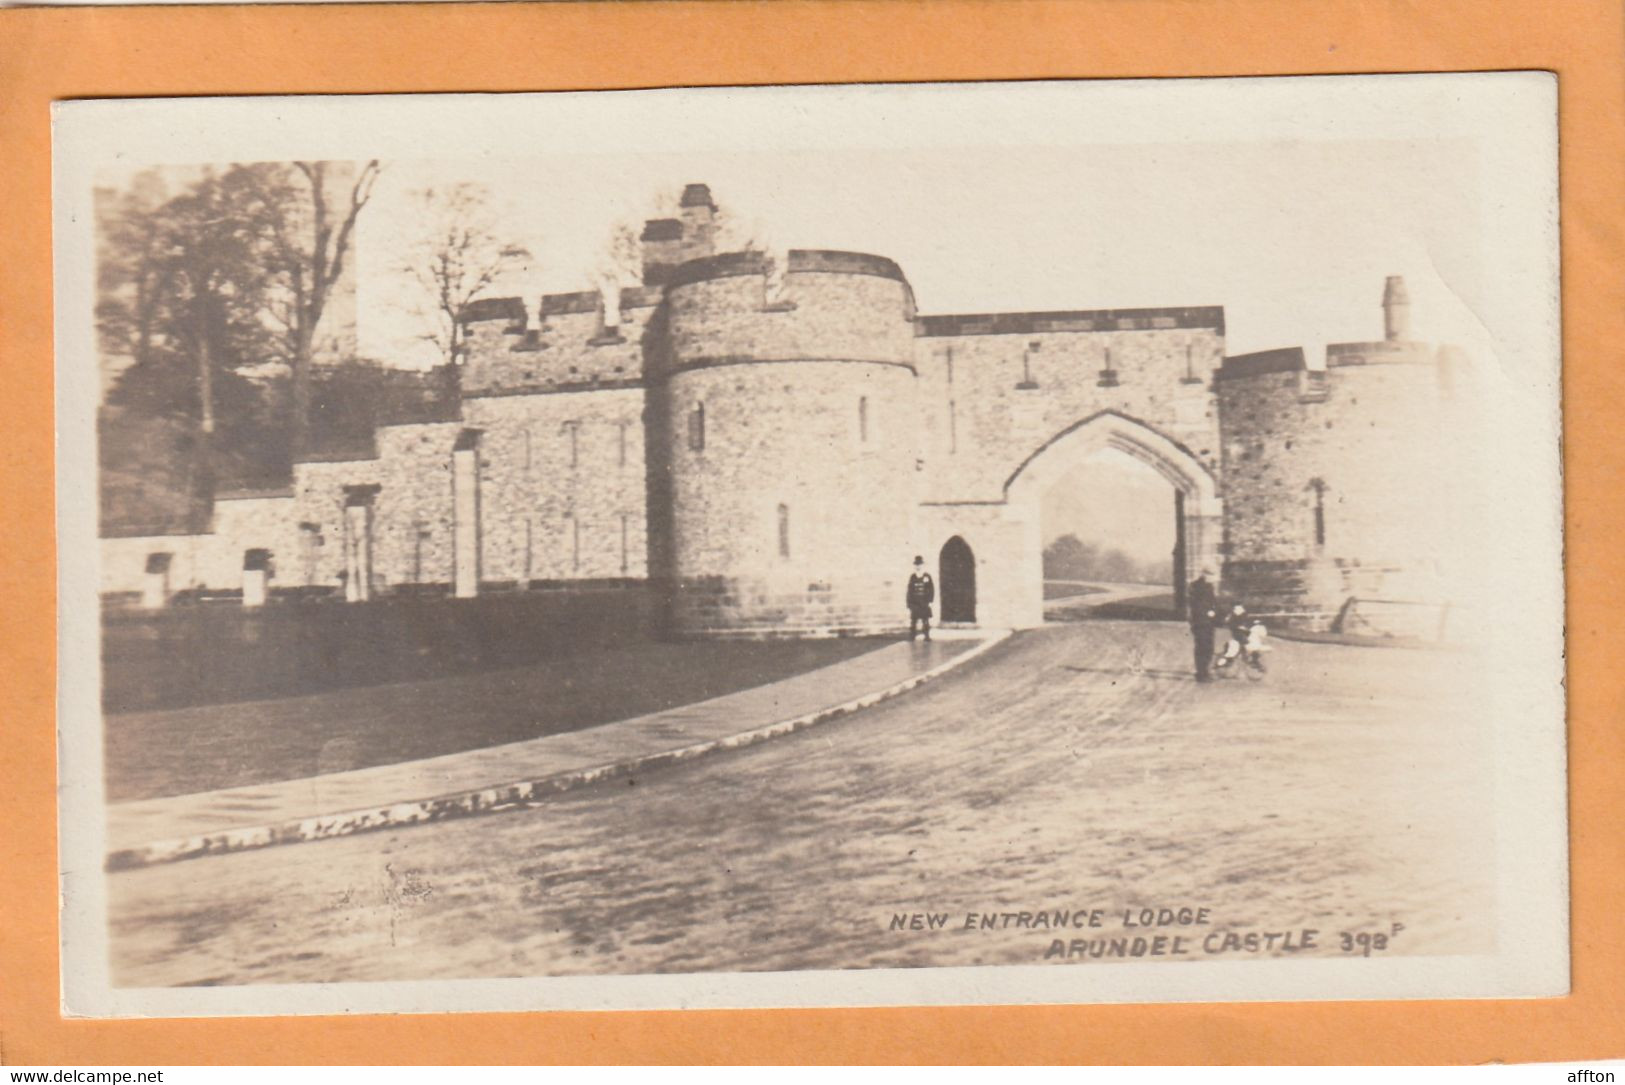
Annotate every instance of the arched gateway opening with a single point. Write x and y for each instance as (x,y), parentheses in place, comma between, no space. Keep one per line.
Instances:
(1124,511)
(956,567)
(1110,537)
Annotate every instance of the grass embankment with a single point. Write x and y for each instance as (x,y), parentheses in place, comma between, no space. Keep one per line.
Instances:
(202,748)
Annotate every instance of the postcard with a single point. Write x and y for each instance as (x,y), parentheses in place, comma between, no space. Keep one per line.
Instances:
(936,544)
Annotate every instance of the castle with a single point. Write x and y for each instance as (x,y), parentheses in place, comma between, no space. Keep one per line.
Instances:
(768,443)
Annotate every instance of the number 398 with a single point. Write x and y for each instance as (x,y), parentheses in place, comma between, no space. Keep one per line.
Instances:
(1363,942)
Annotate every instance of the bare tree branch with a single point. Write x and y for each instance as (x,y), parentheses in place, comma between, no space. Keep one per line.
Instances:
(456,259)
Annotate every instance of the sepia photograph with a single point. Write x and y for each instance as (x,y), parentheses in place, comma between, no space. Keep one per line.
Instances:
(854,545)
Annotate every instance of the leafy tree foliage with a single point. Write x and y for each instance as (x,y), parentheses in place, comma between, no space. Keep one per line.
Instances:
(208,302)
(1070,558)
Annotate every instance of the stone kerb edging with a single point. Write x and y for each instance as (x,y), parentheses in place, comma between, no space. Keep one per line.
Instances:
(498,798)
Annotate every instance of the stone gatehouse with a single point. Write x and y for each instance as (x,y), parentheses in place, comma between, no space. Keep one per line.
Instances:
(769,439)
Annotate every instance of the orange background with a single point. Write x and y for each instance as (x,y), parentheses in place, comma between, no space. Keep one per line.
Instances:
(48,54)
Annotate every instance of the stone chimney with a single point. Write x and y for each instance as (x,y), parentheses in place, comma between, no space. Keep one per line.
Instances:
(699,215)
(1396,309)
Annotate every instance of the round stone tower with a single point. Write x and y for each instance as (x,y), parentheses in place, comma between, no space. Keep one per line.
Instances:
(787,414)
(1345,483)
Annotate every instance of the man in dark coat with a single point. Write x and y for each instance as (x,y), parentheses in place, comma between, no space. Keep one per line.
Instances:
(1204,612)
(922,592)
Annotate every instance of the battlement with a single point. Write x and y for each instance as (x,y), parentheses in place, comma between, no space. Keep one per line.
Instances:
(511,310)
(1075,320)
(1386,352)
(800,261)
(572,347)
(825,306)
(1242,366)
(583,301)
(662,230)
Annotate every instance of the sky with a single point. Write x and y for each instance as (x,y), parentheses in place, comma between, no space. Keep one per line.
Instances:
(1293,237)
(1113,501)
(1285,200)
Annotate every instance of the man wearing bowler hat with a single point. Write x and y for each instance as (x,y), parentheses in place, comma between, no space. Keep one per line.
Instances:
(922,592)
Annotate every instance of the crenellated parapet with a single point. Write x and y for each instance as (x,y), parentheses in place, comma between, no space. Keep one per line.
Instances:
(808,305)
(577,342)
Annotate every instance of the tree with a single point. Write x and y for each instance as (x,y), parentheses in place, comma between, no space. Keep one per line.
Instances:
(182,280)
(131,284)
(206,298)
(456,259)
(213,261)
(1069,558)
(1117,567)
(182,286)
(310,214)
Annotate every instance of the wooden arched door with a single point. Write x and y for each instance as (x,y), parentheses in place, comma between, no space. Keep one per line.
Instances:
(957,577)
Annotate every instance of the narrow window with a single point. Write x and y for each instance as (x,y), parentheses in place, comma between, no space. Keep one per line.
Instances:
(623,443)
(310,540)
(626,564)
(863,419)
(572,529)
(696,428)
(1027,381)
(574,429)
(953,426)
(530,553)
(1108,374)
(420,535)
(527,448)
(948,356)
(1190,367)
(1318,488)
(784,531)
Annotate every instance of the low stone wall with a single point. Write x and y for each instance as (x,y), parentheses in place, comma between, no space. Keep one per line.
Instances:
(211,560)
(752,607)
(1390,599)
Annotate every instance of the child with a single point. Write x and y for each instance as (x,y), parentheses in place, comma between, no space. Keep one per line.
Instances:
(1247,640)
(1256,645)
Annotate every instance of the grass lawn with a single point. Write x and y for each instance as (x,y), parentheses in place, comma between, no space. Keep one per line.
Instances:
(1144,608)
(201,748)
(1065,589)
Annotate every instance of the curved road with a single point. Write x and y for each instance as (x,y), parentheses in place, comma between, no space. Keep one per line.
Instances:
(1076,766)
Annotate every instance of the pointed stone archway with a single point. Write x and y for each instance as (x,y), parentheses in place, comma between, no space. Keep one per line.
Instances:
(1199,507)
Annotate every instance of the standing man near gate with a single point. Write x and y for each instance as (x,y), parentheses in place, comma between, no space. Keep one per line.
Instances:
(922,592)
(1204,614)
